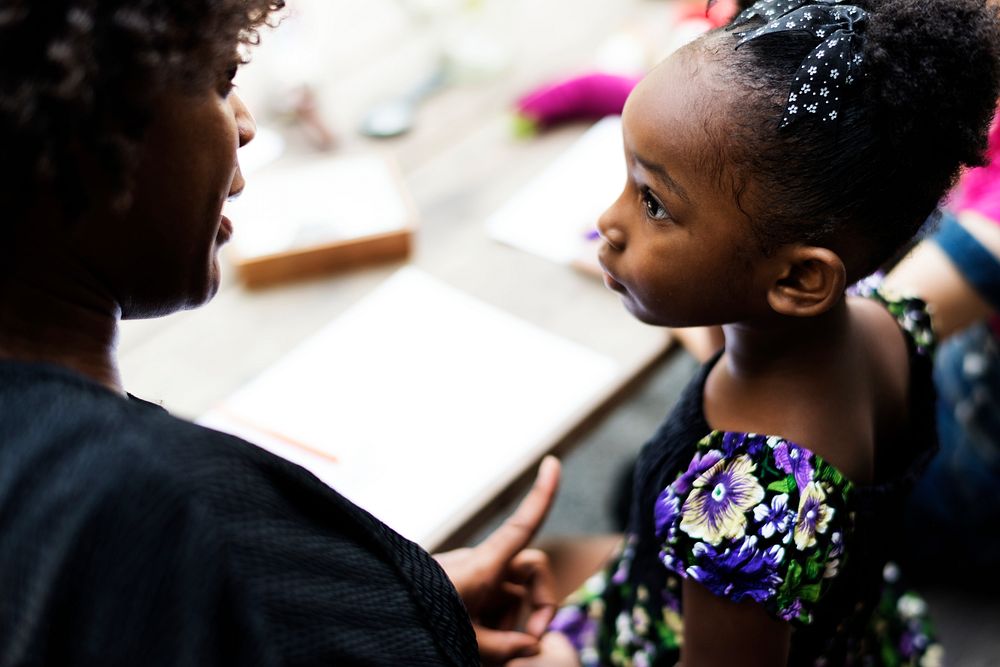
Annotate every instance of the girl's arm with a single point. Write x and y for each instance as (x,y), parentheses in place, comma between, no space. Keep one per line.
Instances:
(719,632)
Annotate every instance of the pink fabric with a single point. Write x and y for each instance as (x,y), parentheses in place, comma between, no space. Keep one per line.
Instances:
(590,96)
(979,188)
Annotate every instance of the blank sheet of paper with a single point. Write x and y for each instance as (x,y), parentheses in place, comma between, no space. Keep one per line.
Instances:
(319,201)
(552,214)
(420,403)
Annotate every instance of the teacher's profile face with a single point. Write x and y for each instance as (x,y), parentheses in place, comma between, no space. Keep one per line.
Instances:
(160,254)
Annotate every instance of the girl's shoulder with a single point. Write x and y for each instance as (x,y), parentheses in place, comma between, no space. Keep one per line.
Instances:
(900,344)
(757,518)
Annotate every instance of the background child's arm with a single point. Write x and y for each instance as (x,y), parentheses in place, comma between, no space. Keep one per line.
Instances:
(720,632)
(929,273)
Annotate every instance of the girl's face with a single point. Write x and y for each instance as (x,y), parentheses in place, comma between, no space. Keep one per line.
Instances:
(676,246)
(162,253)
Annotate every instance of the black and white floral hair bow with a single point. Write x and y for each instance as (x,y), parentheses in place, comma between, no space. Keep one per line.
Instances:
(832,68)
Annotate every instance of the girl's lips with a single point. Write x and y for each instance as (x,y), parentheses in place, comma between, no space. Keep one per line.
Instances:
(609,280)
(613,284)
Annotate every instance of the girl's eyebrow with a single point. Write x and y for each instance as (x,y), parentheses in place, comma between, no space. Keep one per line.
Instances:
(661,173)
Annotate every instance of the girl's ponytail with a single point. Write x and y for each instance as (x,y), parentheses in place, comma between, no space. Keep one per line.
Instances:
(933,68)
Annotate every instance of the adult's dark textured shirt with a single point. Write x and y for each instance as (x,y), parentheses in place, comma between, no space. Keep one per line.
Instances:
(130,537)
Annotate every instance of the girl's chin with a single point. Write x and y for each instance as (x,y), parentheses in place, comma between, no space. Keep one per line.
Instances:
(644,315)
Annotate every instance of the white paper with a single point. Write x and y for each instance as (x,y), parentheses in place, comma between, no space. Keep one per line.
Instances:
(552,215)
(317,202)
(429,401)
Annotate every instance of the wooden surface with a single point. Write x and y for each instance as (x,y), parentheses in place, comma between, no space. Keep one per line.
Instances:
(461,162)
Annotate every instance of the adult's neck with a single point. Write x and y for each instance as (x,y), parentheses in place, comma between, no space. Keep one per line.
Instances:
(784,345)
(60,319)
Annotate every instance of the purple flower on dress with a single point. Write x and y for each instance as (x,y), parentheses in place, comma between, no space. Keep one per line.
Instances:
(866,286)
(668,507)
(733,442)
(794,460)
(698,465)
(832,567)
(792,611)
(719,500)
(748,573)
(837,539)
(621,574)
(813,515)
(579,628)
(912,642)
(775,518)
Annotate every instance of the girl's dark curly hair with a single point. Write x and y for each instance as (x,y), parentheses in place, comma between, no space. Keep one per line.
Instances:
(80,76)
(932,70)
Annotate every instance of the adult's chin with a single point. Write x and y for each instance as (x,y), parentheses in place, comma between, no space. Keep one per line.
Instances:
(193,290)
(206,291)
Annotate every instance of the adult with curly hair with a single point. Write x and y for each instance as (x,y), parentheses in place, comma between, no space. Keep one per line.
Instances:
(131,537)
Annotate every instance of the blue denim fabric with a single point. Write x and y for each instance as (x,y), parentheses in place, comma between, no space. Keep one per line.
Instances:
(953,517)
(977,264)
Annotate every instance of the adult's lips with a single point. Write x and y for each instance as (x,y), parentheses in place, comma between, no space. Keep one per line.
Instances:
(225,229)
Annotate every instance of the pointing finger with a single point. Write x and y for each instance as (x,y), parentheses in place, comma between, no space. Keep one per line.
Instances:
(517,531)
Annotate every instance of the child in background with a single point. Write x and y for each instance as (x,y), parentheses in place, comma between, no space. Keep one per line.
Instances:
(957,270)
(770,165)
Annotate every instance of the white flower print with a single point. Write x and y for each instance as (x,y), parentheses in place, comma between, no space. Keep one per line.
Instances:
(824,92)
(811,108)
(774,518)
(820,53)
(793,96)
(813,70)
(833,115)
(834,73)
(806,88)
(793,109)
(821,33)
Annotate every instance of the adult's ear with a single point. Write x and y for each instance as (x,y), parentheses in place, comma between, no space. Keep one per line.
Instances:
(810,282)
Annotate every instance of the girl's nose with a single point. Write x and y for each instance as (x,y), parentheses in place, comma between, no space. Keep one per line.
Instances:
(610,231)
(245,123)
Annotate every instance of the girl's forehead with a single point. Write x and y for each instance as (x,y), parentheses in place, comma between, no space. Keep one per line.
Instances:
(676,114)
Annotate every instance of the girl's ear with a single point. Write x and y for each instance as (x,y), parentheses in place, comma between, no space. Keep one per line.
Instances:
(811,281)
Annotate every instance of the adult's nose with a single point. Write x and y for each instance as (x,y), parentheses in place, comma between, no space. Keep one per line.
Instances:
(245,123)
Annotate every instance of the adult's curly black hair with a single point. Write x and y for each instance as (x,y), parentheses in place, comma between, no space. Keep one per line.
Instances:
(932,70)
(79,78)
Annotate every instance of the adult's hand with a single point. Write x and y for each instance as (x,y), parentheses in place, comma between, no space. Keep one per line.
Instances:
(508,589)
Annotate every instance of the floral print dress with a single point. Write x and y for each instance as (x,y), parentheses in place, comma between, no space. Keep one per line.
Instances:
(759,518)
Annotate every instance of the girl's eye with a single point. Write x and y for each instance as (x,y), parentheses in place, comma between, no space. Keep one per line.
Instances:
(654,209)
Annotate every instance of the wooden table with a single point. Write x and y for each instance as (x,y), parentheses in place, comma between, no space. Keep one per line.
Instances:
(461,162)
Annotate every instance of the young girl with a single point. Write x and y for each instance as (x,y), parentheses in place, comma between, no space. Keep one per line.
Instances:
(770,165)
